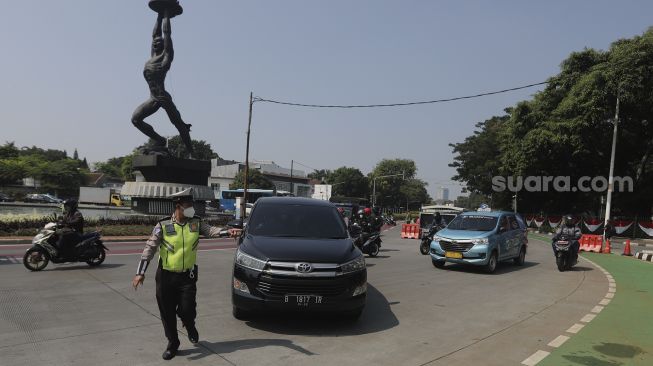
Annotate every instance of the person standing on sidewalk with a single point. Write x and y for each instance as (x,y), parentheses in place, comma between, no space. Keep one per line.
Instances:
(176,276)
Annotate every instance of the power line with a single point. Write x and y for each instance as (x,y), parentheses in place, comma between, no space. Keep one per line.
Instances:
(304,165)
(259,99)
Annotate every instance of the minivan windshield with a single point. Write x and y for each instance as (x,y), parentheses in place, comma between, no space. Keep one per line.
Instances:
(295,221)
(473,223)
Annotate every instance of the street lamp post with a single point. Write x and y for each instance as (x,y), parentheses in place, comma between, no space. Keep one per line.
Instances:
(608,203)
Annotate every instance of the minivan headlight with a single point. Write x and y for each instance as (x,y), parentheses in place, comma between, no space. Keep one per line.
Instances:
(357,264)
(248,261)
(483,241)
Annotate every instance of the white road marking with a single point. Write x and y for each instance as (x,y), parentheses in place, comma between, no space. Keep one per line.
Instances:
(588,318)
(605,302)
(535,358)
(609,295)
(558,341)
(597,309)
(575,328)
(612,289)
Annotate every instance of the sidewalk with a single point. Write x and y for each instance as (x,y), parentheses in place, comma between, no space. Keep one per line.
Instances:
(7,240)
(621,333)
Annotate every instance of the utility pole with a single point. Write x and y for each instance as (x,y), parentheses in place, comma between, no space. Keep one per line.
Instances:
(243,204)
(292,166)
(608,203)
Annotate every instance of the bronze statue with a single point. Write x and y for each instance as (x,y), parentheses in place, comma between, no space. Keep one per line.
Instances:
(155,72)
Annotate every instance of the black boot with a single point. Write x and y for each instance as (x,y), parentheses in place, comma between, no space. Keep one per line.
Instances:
(171,350)
(193,335)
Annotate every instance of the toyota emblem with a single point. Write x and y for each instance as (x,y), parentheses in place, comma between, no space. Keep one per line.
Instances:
(303,267)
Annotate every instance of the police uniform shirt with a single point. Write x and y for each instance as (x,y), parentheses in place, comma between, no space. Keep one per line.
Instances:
(156,239)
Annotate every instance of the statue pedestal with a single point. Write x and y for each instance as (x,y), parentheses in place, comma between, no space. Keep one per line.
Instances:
(158,177)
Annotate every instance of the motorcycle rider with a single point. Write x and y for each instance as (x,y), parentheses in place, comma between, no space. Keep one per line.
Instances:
(71,228)
(376,219)
(572,231)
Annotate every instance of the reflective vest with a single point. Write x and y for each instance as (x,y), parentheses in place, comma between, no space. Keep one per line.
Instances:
(179,245)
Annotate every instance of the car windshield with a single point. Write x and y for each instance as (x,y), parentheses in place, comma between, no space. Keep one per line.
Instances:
(473,223)
(304,221)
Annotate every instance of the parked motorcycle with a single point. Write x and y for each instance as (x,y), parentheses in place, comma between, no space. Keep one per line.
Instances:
(565,258)
(368,242)
(44,249)
(425,244)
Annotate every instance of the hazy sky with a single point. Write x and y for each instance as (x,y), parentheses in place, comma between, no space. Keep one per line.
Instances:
(71,72)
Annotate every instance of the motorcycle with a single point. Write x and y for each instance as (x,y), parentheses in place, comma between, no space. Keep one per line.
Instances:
(389,220)
(425,244)
(44,249)
(368,242)
(565,258)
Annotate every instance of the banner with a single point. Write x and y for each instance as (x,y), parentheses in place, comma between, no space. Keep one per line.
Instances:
(529,220)
(647,227)
(539,221)
(593,224)
(622,225)
(554,221)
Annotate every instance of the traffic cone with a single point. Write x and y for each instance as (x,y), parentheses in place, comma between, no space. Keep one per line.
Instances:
(627,249)
(607,249)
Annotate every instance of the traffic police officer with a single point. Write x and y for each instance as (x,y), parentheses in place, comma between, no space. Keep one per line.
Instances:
(176,276)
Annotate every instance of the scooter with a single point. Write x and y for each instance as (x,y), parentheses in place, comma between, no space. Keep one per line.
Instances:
(44,249)
(425,244)
(565,258)
(368,242)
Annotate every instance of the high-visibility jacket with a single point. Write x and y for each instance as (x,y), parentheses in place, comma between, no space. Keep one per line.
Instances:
(179,245)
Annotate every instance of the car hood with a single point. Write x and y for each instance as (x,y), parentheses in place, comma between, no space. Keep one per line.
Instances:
(299,249)
(463,234)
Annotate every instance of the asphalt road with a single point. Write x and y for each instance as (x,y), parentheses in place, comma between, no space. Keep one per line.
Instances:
(416,314)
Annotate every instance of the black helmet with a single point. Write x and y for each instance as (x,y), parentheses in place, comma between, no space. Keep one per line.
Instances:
(70,205)
(569,221)
(437,214)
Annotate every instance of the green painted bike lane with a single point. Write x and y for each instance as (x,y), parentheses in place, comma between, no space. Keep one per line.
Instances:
(621,334)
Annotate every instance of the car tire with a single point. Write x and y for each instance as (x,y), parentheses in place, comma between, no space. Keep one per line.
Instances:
(240,314)
(519,260)
(438,264)
(492,263)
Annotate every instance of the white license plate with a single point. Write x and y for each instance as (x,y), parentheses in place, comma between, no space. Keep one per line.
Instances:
(302,300)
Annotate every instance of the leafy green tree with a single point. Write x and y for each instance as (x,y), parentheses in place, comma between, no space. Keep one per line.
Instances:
(8,150)
(62,176)
(176,147)
(322,174)
(414,192)
(12,171)
(75,155)
(388,189)
(348,182)
(255,180)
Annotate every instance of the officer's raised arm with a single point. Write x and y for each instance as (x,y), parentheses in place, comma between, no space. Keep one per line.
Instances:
(151,247)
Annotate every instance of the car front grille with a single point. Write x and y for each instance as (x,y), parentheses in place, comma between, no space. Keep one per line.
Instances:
(314,286)
(453,246)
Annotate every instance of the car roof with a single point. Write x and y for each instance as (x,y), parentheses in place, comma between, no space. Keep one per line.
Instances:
(293,201)
(487,213)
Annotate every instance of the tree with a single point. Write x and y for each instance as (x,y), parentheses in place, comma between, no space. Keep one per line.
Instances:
(61,176)
(8,150)
(75,155)
(388,189)
(414,192)
(255,180)
(176,147)
(321,174)
(12,171)
(348,182)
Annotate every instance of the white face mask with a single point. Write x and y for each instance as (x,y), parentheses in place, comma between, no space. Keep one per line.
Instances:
(189,211)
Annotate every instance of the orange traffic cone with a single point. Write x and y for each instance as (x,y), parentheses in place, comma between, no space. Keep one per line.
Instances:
(627,249)
(607,249)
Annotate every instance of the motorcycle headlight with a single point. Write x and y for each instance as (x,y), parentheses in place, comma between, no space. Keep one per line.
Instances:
(357,264)
(483,241)
(248,261)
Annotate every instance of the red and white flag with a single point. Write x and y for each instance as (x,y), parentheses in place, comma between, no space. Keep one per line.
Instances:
(622,225)
(646,226)
(554,221)
(539,221)
(529,220)
(592,224)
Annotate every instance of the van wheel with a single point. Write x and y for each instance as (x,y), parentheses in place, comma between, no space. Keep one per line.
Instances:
(438,264)
(491,265)
(519,261)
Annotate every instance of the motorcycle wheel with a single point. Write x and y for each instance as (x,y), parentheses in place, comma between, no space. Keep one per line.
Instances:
(424,247)
(102,255)
(561,261)
(374,250)
(36,259)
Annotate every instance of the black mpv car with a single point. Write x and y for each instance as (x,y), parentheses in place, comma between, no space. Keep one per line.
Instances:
(296,255)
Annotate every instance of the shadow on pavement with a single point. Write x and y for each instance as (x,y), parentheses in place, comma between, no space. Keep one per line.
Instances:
(389,250)
(581,269)
(502,267)
(66,267)
(376,317)
(244,344)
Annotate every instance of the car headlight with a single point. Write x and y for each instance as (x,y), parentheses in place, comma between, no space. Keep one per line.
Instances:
(437,238)
(357,264)
(248,261)
(483,241)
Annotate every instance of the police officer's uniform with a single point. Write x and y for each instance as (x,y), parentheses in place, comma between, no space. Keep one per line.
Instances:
(177,273)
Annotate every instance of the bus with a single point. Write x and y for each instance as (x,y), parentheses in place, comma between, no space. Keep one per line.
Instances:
(228,197)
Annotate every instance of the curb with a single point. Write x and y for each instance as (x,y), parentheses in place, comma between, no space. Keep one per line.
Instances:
(648,257)
(109,240)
